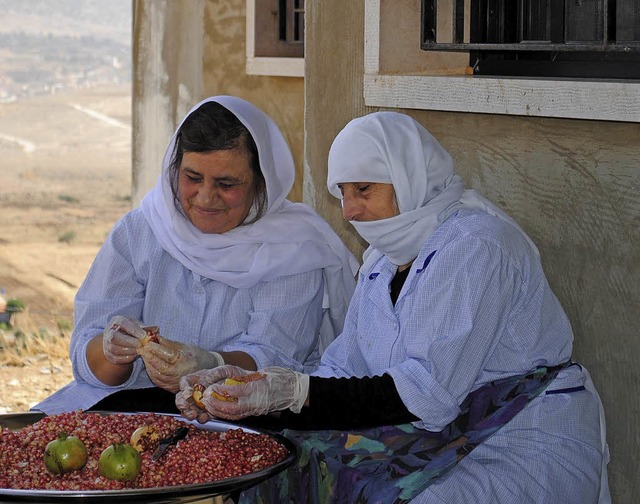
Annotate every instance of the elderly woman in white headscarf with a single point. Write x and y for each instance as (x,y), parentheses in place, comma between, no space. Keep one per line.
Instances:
(218,259)
(452,305)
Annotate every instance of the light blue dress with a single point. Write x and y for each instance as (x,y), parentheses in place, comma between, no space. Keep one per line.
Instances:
(477,307)
(276,322)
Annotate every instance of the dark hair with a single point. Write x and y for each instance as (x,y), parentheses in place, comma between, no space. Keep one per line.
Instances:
(212,127)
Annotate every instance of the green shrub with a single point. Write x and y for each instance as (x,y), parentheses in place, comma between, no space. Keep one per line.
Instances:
(64,325)
(68,199)
(67,237)
(15,304)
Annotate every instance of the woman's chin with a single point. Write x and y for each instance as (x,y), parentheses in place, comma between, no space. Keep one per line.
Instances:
(210,224)
(208,229)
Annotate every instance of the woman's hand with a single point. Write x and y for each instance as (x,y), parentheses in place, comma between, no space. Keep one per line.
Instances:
(205,377)
(275,390)
(168,361)
(121,340)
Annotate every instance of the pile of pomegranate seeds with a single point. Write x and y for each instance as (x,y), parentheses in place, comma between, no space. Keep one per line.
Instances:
(202,457)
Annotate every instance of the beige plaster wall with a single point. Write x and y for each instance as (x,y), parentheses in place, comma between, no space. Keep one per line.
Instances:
(400,23)
(333,96)
(187,50)
(167,80)
(573,185)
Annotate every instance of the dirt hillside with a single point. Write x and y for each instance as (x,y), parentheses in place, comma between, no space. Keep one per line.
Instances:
(65,178)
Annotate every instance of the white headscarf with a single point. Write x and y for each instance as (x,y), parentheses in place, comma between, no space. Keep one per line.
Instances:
(393,148)
(290,238)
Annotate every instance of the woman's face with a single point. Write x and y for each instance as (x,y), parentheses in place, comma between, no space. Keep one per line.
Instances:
(368,201)
(216,189)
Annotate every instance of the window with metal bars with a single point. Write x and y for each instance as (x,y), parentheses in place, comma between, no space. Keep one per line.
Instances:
(538,38)
(279,28)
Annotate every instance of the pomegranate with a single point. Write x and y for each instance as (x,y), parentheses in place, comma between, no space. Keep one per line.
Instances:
(120,461)
(65,454)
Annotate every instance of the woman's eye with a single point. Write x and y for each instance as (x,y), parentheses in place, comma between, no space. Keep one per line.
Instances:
(193,178)
(363,188)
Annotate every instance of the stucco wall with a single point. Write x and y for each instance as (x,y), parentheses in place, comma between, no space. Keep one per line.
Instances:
(187,50)
(573,185)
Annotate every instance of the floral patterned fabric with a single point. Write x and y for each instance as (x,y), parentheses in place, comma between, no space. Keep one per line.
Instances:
(393,464)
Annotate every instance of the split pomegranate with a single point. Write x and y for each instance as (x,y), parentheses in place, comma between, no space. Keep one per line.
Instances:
(145,437)
(235,380)
(197,395)
(152,334)
(247,378)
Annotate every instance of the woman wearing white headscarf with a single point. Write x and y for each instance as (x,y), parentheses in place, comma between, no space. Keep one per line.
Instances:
(452,329)
(218,259)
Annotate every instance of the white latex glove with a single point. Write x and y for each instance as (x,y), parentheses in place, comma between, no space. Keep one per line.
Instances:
(276,389)
(168,361)
(203,378)
(121,340)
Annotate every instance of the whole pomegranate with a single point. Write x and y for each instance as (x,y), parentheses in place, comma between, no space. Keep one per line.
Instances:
(65,454)
(120,461)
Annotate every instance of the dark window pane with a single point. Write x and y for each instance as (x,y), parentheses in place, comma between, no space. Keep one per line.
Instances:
(628,21)
(537,25)
(584,21)
(291,18)
(298,21)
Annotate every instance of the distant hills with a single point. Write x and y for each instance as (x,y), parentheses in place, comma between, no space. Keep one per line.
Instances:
(50,45)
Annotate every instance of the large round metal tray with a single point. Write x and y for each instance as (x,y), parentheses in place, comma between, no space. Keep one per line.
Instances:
(159,495)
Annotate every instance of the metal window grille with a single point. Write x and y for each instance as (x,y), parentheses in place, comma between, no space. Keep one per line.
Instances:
(279,28)
(560,38)
(291,21)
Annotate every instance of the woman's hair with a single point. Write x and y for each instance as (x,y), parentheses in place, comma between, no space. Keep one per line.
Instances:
(214,128)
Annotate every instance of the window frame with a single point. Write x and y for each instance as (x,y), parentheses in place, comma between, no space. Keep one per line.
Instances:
(608,100)
(507,43)
(271,66)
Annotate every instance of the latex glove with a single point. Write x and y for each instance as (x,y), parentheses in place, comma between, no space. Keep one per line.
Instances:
(121,340)
(204,377)
(277,389)
(168,361)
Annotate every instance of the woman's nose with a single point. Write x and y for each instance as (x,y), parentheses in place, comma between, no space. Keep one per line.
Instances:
(206,194)
(350,209)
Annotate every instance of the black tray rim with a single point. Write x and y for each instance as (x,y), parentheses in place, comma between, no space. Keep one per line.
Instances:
(165,494)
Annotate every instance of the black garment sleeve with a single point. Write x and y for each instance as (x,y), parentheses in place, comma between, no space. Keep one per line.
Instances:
(349,403)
